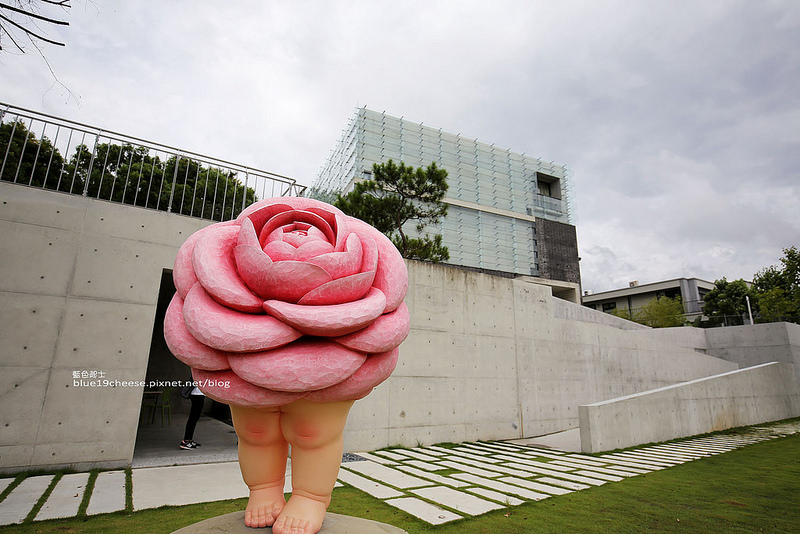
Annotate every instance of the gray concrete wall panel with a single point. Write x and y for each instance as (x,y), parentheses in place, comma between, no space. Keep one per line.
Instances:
(767,392)
(488,357)
(577,312)
(750,345)
(78,293)
(29,328)
(47,253)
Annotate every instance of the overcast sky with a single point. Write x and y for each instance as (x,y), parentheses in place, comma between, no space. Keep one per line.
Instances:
(679,121)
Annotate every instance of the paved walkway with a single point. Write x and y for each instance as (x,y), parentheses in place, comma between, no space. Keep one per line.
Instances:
(437,484)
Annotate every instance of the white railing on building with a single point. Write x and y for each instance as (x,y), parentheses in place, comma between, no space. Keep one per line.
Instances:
(48,152)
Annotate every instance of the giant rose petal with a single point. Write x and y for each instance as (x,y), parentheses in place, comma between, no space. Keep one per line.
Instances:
(294,299)
(185,346)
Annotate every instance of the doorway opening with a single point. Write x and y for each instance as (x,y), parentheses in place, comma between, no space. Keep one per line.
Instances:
(164,413)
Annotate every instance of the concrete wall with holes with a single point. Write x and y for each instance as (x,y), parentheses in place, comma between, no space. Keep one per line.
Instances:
(79,285)
(765,392)
(488,357)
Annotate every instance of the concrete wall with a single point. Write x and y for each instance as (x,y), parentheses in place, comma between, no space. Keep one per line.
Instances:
(754,344)
(78,292)
(567,310)
(746,345)
(767,392)
(487,357)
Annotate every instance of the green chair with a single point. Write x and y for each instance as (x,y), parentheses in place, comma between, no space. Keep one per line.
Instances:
(161,404)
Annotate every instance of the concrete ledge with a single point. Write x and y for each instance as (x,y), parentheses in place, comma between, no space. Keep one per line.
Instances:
(767,392)
(233,523)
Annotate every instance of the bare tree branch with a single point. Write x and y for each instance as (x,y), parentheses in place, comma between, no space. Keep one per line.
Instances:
(19,47)
(30,24)
(29,32)
(32,14)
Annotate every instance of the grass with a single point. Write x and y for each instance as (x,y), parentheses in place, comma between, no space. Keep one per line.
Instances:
(752,489)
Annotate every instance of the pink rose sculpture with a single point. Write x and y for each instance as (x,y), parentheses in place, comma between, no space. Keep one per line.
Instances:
(294,299)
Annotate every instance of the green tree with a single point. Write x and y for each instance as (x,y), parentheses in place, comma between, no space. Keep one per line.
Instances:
(660,312)
(29,160)
(123,173)
(778,289)
(397,195)
(727,302)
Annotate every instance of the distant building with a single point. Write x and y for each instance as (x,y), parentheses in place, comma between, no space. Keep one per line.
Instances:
(690,290)
(507,212)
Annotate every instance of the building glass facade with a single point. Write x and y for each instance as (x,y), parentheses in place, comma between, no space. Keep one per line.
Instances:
(494,198)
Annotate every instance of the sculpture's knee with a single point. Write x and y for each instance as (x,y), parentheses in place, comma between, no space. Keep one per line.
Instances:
(308,434)
(259,430)
(256,434)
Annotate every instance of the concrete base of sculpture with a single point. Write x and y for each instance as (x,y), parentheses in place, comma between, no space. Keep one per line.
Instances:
(233,523)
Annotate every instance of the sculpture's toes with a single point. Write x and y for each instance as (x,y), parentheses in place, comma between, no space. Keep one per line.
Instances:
(301,515)
(263,508)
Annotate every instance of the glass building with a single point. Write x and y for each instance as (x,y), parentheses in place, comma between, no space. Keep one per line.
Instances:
(507,211)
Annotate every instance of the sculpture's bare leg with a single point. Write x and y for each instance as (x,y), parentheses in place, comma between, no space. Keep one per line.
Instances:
(262,460)
(315,432)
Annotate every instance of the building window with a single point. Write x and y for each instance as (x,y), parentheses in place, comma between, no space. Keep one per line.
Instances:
(609,306)
(544,189)
(547,185)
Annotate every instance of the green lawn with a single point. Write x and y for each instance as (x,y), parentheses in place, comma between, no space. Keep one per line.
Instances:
(752,489)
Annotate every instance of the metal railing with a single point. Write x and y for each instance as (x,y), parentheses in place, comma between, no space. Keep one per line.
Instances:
(48,152)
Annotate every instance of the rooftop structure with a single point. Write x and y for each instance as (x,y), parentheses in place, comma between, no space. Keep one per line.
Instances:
(507,211)
(690,290)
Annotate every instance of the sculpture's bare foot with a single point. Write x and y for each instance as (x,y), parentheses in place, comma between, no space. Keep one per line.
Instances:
(264,506)
(301,515)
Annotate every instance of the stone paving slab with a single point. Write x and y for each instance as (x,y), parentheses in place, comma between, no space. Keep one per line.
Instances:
(639,458)
(530,464)
(565,483)
(662,457)
(470,469)
(502,487)
(376,489)
(388,475)
(419,455)
(378,459)
(468,457)
(438,479)
(536,486)
(19,503)
(108,494)
(457,500)
(429,451)
(65,498)
(427,512)
(502,469)
(426,466)
(558,474)
(479,477)
(636,464)
(620,471)
(187,484)
(392,455)
(602,476)
(496,496)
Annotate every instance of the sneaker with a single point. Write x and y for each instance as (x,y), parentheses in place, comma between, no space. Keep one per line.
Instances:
(188,444)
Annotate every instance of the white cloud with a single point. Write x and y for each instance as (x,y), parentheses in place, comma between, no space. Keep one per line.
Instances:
(677,120)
